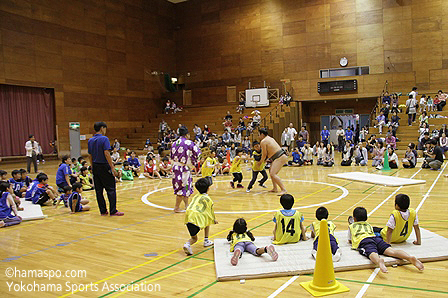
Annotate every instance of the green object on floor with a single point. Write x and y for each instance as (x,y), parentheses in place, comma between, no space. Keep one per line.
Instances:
(386,161)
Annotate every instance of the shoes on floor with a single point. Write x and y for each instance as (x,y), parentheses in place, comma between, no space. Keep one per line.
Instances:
(208,243)
(187,249)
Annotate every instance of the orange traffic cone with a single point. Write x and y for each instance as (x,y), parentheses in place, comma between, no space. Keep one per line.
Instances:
(324,282)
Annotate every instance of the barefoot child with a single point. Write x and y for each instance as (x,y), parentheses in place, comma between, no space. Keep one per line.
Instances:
(235,169)
(241,240)
(400,223)
(288,223)
(7,206)
(363,239)
(322,213)
(75,201)
(199,215)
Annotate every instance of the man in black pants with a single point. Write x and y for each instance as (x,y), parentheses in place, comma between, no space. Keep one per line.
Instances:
(103,170)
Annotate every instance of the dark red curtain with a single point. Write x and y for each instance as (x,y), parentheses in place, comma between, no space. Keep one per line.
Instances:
(25,111)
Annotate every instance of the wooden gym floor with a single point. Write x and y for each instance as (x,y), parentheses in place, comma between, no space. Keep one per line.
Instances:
(145,246)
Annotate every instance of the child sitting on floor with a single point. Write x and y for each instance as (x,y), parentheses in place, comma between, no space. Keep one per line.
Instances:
(322,213)
(400,223)
(64,197)
(126,172)
(75,200)
(199,215)
(43,192)
(3,175)
(363,239)
(165,167)
(288,223)
(150,170)
(7,207)
(24,178)
(134,164)
(241,240)
(86,181)
(17,184)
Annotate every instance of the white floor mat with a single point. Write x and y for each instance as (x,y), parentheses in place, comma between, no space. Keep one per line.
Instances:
(377,179)
(296,258)
(31,211)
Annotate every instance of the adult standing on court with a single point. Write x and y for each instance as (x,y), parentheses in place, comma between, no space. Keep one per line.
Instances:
(325,135)
(31,147)
(292,134)
(183,153)
(103,170)
(271,149)
(304,134)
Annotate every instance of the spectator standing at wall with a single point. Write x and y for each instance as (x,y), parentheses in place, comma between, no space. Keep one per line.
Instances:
(325,135)
(340,133)
(286,139)
(292,134)
(304,133)
(31,147)
(349,135)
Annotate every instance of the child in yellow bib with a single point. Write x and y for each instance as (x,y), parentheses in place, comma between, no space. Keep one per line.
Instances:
(235,169)
(241,240)
(209,166)
(288,223)
(199,215)
(363,239)
(257,167)
(322,213)
(401,223)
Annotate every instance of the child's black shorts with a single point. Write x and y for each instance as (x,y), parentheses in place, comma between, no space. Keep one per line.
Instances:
(193,229)
(43,199)
(372,244)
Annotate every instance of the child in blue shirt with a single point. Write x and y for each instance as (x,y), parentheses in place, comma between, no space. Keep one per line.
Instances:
(65,196)
(8,210)
(75,200)
(16,183)
(43,192)
(296,158)
(134,164)
(24,178)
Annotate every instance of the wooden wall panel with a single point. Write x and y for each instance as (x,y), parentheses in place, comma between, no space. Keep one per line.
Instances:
(94,53)
(294,39)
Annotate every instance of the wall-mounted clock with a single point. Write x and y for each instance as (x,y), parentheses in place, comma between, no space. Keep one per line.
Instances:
(343,62)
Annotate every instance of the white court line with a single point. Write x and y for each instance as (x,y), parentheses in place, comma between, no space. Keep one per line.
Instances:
(430,189)
(279,290)
(343,195)
(284,286)
(375,272)
(386,199)
(366,286)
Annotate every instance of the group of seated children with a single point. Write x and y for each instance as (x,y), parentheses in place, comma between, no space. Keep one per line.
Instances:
(74,170)
(289,228)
